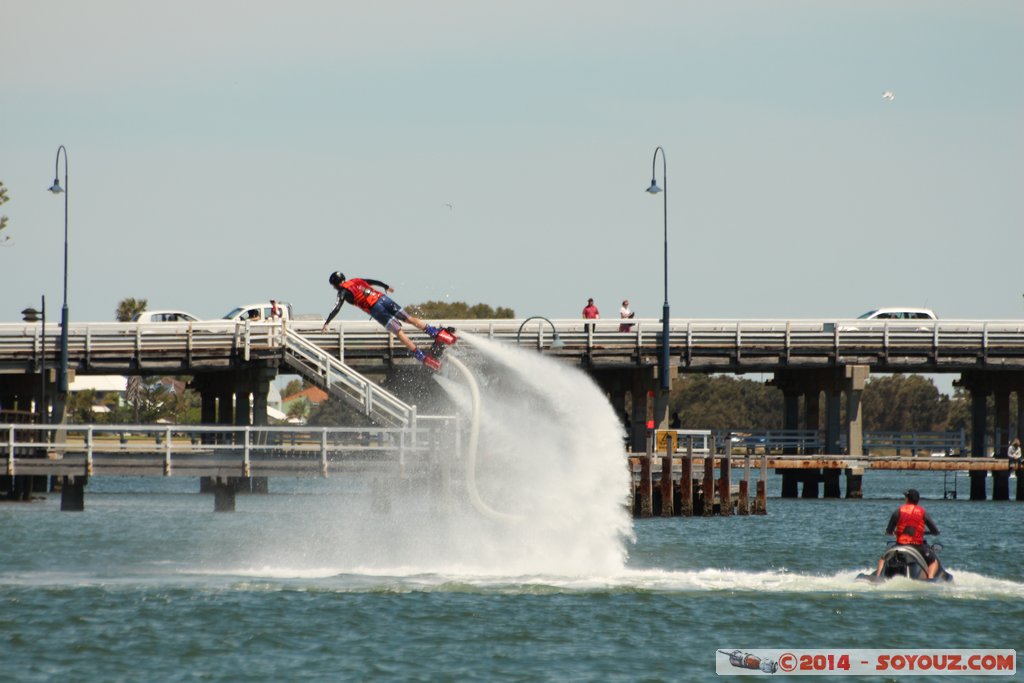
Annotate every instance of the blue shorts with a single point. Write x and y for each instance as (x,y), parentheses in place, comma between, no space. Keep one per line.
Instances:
(388,313)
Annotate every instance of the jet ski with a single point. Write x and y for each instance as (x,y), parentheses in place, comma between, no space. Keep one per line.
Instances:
(908,562)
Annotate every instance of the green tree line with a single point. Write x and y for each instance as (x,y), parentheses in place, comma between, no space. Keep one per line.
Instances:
(900,402)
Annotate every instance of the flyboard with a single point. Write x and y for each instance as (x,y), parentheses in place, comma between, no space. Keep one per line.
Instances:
(444,338)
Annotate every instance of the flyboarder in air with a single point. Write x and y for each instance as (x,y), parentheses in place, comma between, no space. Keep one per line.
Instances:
(390,314)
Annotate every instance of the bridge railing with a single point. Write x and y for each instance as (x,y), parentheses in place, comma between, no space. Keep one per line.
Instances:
(780,341)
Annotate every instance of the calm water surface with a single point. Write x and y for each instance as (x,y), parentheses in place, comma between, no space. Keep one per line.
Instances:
(149,584)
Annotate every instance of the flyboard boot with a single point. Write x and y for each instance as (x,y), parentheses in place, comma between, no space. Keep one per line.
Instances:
(442,335)
(428,360)
(443,338)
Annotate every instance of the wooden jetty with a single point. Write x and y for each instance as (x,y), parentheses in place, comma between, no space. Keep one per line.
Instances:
(673,483)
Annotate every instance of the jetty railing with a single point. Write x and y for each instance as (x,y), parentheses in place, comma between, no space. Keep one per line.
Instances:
(212,451)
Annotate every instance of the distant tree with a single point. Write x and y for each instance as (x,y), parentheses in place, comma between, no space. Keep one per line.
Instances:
(293,387)
(79,406)
(721,402)
(458,310)
(3,219)
(128,308)
(910,403)
(298,409)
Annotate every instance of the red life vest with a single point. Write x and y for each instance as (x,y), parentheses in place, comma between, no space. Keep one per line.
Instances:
(910,526)
(363,295)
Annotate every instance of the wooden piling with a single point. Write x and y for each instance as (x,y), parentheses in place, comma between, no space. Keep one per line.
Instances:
(743,502)
(725,486)
(811,478)
(223,494)
(830,479)
(761,499)
(686,483)
(667,499)
(709,484)
(1020,483)
(72,494)
(855,482)
(646,488)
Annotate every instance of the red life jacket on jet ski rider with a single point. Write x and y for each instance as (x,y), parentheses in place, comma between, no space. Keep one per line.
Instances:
(910,526)
(363,295)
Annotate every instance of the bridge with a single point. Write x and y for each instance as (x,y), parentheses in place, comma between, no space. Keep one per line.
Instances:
(232,364)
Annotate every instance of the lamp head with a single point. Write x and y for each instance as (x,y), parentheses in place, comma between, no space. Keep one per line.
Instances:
(56,188)
(557,342)
(654,189)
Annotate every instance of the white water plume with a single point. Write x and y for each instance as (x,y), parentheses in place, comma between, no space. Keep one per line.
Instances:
(549,471)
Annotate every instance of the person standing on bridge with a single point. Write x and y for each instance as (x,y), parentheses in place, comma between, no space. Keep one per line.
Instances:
(909,523)
(590,312)
(625,314)
(361,292)
(1013,453)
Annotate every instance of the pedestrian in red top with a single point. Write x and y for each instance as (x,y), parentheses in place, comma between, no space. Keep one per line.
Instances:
(590,312)
(387,312)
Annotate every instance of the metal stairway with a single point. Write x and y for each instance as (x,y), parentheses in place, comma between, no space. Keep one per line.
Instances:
(335,377)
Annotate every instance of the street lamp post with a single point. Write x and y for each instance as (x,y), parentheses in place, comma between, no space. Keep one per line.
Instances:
(654,189)
(62,380)
(556,341)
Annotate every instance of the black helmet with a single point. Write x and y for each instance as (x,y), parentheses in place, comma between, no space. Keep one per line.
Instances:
(336,278)
(912,495)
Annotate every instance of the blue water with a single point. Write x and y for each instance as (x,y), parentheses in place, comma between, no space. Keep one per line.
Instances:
(148,583)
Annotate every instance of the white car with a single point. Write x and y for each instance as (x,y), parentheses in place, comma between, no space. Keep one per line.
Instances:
(163,317)
(899,313)
(261,312)
(894,313)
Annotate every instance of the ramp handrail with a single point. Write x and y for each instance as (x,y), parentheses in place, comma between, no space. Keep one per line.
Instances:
(334,376)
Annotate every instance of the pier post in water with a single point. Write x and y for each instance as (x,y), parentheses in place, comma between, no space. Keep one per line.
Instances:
(830,479)
(72,494)
(646,487)
(709,483)
(743,503)
(223,494)
(725,483)
(667,499)
(686,482)
(761,499)
(855,482)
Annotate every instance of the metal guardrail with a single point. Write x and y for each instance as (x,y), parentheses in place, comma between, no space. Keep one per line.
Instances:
(937,344)
(193,450)
(339,379)
(812,441)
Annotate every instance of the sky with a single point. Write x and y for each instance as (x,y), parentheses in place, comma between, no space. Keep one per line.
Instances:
(222,153)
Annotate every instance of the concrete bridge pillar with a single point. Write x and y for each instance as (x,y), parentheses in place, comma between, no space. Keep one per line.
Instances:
(790,413)
(856,378)
(1001,442)
(812,409)
(833,404)
(979,388)
(646,404)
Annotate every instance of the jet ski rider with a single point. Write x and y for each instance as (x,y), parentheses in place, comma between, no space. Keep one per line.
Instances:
(908,524)
(387,312)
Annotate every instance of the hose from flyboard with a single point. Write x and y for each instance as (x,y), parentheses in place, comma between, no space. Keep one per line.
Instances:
(474,437)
